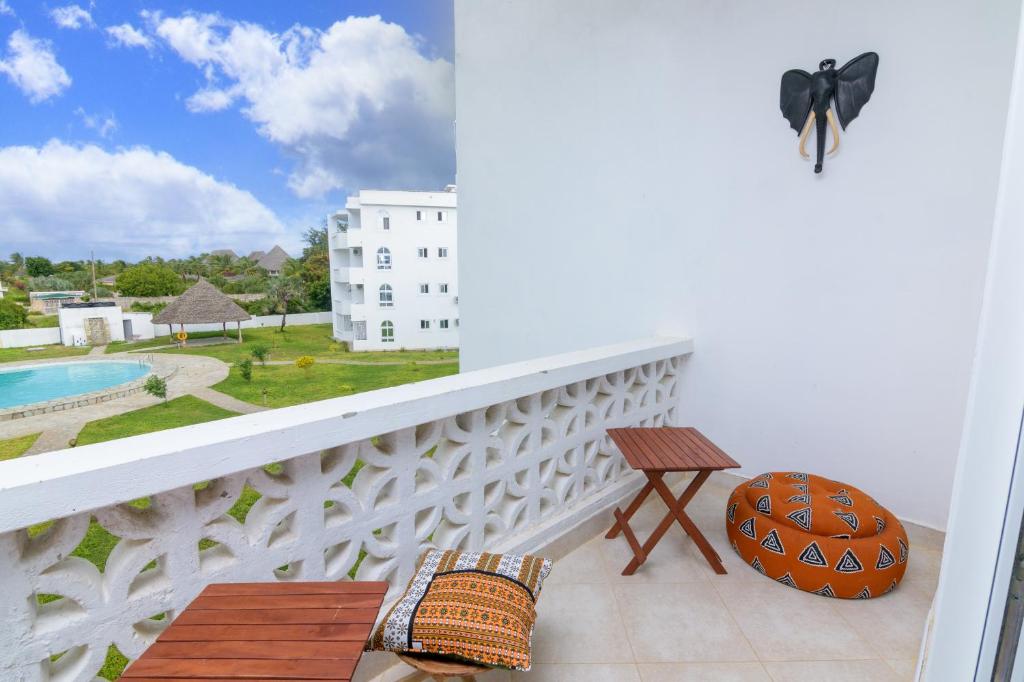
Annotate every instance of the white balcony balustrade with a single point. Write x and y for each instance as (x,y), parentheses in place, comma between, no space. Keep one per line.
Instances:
(504,459)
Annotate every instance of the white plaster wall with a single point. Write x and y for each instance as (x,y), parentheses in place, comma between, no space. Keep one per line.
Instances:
(72,323)
(834,315)
(22,338)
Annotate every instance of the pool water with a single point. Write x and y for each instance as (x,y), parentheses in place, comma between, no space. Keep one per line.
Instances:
(26,385)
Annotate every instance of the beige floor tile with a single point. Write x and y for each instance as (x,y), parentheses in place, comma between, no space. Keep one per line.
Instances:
(679,622)
(923,566)
(893,624)
(904,668)
(833,671)
(579,623)
(580,672)
(582,565)
(703,672)
(671,561)
(783,624)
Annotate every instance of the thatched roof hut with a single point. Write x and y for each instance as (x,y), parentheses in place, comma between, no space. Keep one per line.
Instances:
(202,303)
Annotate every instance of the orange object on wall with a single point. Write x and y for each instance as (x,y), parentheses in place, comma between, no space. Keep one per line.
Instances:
(817,535)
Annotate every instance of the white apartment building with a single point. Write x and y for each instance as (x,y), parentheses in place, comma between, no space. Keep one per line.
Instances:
(394,274)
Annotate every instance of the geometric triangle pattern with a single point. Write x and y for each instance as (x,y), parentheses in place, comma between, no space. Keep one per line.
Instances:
(805,531)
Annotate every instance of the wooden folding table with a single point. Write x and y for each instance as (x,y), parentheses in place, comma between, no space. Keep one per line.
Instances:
(657,451)
(296,631)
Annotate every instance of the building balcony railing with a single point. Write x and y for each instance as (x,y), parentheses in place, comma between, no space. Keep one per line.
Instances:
(502,459)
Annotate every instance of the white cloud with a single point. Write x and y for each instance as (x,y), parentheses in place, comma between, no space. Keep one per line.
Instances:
(103,125)
(129,203)
(71,16)
(356,104)
(32,66)
(6,9)
(126,35)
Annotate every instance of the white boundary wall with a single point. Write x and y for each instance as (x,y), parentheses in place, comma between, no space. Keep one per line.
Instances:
(22,338)
(143,328)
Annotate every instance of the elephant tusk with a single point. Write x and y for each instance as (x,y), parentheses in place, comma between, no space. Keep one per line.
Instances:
(804,134)
(835,130)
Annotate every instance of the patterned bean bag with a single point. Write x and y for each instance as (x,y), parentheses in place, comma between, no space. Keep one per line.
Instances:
(817,535)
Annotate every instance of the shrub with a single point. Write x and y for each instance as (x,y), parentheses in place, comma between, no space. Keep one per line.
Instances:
(148,279)
(305,362)
(156,387)
(245,369)
(260,351)
(12,315)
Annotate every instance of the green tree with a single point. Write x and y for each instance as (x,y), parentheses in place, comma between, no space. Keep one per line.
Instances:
(315,269)
(283,291)
(37,266)
(149,279)
(12,315)
(245,369)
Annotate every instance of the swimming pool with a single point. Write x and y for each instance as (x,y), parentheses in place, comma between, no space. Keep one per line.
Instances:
(39,383)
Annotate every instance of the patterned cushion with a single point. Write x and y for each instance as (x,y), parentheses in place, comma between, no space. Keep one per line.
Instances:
(817,535)
(472,606)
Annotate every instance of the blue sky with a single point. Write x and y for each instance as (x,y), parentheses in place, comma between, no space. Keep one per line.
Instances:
(170,128)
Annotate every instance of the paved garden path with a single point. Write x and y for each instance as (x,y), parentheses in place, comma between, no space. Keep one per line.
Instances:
(367,363)
(97,350)
(227,402)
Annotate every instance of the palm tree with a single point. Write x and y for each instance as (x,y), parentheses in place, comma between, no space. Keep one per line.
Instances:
(281,291)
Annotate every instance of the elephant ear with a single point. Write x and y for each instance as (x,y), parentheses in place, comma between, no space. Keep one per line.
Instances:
(854,84)
(795,97)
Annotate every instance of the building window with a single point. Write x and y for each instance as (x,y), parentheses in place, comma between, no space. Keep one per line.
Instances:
(443,324)
(385,222)
(440,216)
(387,332)
(424,288)
(424,324)
(442,252)
(383,258)
(442,288)
(419,215)
(456,322)
(387,299)
(421,252)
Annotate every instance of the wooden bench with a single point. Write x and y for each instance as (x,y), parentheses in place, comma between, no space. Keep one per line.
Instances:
(296,631)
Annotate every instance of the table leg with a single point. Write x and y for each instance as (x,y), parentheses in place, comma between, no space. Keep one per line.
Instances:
(676,513)
(630,510)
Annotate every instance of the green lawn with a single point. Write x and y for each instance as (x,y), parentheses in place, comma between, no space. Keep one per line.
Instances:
(54,351)
(178,412)
(16,447)
(309,339)
(289,385)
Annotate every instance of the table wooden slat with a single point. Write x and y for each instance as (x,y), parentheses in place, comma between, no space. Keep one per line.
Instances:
(265,632)
(670,449)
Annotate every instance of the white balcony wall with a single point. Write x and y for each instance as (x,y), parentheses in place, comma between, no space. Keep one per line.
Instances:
(504,459)
(836,314)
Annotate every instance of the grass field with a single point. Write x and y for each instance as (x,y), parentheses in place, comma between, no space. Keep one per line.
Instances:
(178,412)
(288,385)
(54,351)
(43,321)
(16,447)
(309,339)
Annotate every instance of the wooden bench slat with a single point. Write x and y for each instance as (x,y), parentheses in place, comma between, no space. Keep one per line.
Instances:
(339,587)
(287,601)
(248,649)
(276,616)
(337,632)
(242,668)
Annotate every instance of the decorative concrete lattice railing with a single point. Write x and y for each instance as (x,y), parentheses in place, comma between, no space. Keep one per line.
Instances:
(502,459)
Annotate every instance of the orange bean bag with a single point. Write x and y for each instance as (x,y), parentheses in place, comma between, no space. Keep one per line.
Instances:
(817,535)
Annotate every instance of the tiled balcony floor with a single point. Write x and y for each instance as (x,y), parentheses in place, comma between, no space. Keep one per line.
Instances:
(676,620)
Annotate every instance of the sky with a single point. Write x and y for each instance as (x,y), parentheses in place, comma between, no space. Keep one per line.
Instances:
(135,128)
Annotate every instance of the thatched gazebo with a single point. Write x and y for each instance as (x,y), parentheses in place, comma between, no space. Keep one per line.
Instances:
(202,303)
